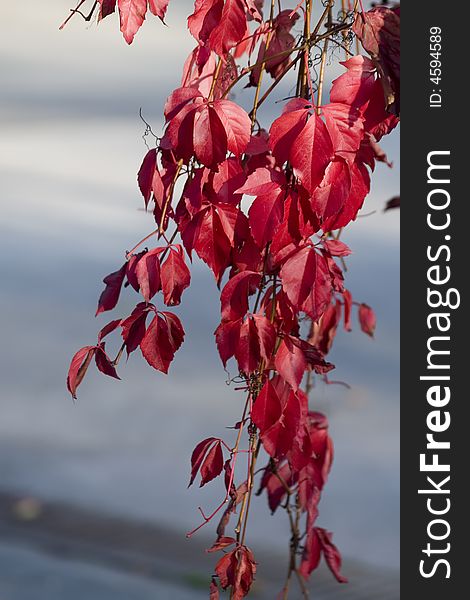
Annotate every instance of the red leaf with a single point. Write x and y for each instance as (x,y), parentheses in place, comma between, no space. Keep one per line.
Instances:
(148,274)
(78,367)
(198,455)
(286,129)
(146,175)
(379,32)
(107,8)
(355,86)
(367,319)
(231,28)
(212,244)
(221,543)
(209,137)
(298,275)
(267,408)
(205,18)
(248,351)
(236,123)
(162,339)
(237,569)
(265,216)
(207,457)
(158,7)
(104,363)
(234,296)
(337,247)
(178,99)
(109,328)
(346,128)
(320,294)
(175,277)
(326,331)
(360,186)
(311,153)
(266,336)
(110,295)
(279,439)
(276,412)
(132,15)
(214,593)
(333,191)
(290,363)
(213,464)
(347,309)
(311,554)
(331,553)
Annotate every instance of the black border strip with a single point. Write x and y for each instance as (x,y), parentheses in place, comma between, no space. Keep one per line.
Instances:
(429,128)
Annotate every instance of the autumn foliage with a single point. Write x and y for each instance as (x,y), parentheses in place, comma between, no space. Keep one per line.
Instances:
(263,206)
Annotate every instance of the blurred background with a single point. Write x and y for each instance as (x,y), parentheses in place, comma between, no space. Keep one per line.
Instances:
(93,498)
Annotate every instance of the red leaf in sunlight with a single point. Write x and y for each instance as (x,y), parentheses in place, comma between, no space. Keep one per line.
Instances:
(207,129)
(237,125)
(312,152)
(231,28)
(278,418)
(298,275)
(367,319)
(162,339)
(311,554)
(132,15)
(175,276)
(227,335)
(110,295)
(234,296)
(207,457)
(107,8)
(209,137)
(290,363)
(360,186)
(248,352)
(78,368)
(205,18)
(214,593)
(346,128)
(337,247)
(347,309)
(265,216)
(333,190)
(147,273)
(213,464)
(331,553)
(158,7)
(354,87)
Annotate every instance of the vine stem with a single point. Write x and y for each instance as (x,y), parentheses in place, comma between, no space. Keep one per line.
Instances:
(215,79)
(234,453)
